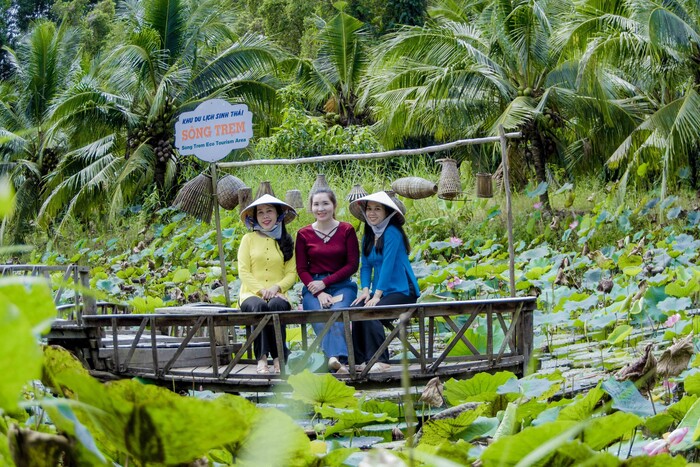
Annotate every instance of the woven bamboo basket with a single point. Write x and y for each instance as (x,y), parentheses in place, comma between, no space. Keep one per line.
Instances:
(245,197)
(264,189)
(414,187)
(395,199)
(318,184)
(227,191)
(449,186)
(484,185)
(294,199)
(195,198)
(356,192)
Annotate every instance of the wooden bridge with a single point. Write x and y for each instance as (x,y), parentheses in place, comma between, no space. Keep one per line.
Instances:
(199,345)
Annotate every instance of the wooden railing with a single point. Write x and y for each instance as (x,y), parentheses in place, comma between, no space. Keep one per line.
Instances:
(145,353)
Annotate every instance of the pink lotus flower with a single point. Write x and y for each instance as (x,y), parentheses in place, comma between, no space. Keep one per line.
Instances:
(537,205)
(676,436)
(658,446)
(672,320)
(669,385)
(456,241)
(573,225)
(454,282)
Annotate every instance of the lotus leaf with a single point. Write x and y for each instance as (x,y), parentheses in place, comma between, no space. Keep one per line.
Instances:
(619,334)
(603,431)
(529,388)
(290,446)
(508,423)
(436,431)
(322,389)
(26,310)
(350,418)
(627,398)
(690,421)
(533,444)
(674,304)
(480,428)
(583,406)
(482,387)
(379,406)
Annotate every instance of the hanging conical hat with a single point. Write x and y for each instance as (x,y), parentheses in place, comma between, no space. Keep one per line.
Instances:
(289,212)
(379,197)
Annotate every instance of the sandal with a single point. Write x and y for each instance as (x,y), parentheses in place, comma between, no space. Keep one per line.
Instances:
(276,365)
(262,367)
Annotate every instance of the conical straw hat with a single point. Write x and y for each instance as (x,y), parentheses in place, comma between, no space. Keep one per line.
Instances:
(289,212)
(379,197)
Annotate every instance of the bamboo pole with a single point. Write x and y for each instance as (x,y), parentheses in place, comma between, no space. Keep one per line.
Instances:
(374,155)
(221,335)
(509,210)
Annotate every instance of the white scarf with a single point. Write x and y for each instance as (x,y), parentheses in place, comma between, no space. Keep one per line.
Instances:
(381,227)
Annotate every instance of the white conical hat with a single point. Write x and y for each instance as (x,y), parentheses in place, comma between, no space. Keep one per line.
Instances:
(382,198)
(289,212)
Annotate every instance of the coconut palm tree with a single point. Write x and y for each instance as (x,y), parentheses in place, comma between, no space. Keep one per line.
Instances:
(333,78)
(178,53)
(30,148)
(670,49)
(479,65)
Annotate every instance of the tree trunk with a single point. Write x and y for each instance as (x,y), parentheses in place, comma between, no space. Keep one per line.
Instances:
(539,157)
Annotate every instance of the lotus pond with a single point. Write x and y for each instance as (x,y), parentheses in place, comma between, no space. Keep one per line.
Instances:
(607,384)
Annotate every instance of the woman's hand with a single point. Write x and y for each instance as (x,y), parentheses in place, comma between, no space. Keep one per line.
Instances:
(373,301)
(282,296)
(325,300)
(270,292)
(361,298)
(316,286)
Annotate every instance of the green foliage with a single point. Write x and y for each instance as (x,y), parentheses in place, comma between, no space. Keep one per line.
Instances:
(322,389)
(26,311)
(301,135)
(350,418)
(436,431)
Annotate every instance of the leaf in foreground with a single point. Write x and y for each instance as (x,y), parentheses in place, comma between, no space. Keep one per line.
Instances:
(26,308)
(436,431)
(148,422)
(510,450)
(483,387)
(350,418)
(322,389)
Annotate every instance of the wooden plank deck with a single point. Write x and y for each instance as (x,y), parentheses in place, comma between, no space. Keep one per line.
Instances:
(202,356)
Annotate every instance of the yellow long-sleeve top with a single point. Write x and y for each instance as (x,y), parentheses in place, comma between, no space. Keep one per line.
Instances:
(261,265)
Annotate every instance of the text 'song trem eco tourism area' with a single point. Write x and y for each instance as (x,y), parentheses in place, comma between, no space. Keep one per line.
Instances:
(353,233)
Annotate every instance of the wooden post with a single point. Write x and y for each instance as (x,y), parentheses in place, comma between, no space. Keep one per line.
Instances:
(221,333)
(509,209)
(217,221)
(524,337)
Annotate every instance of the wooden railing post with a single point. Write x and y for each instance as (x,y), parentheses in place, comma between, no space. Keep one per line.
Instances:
(524,337)
(89,304)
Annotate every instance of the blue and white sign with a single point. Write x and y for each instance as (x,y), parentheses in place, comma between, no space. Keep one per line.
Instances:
(214,129)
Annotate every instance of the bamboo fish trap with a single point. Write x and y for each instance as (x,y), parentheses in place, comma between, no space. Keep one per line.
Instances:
(227,191)
(414,187)
(195,198)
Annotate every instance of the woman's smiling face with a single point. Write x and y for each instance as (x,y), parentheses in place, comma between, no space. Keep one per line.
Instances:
(322,207)
(266,215)
(375,212)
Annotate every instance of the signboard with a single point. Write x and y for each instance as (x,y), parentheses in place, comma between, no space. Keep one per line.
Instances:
(214,129)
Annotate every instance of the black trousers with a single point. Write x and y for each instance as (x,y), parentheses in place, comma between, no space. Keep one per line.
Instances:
(368,336)
(265,343)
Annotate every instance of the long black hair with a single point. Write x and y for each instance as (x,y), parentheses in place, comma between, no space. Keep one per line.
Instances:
(285,242)
(368,237)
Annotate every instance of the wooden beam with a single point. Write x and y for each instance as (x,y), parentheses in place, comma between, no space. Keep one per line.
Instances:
(374,155)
